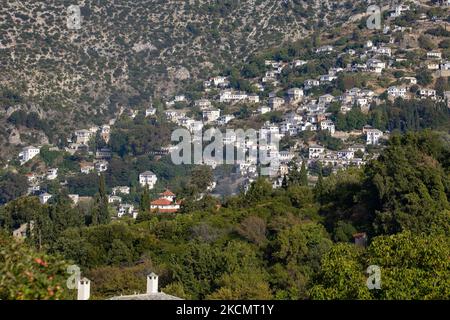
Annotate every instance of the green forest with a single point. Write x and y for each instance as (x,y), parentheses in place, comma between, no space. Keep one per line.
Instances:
(296,242)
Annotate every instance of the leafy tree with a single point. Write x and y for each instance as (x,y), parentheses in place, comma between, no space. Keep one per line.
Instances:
(341,275)
(12,186)
(29,275)
(253,229)
(407,188)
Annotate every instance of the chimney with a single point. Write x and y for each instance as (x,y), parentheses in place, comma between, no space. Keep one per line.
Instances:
(152,283)
(84,289)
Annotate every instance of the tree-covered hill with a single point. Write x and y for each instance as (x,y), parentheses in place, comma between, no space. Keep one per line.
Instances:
(296,242)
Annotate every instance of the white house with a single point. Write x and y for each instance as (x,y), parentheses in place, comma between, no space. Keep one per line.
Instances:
(28,153)
(424,92)
(229,95)
(398,10)
(253,98)
(125,209)
(434,55)
(86,167)
(101,166)
(166,203)
(121,190)
(384,51)
(346,154)
(203,103)
(150,112)
(295,94)
(328,125)
(211,115)
(445,65)
(180,98)
(326,99)
(52,174)
(397,92)
(114,199)
(83,136)
(264,109)
(217,81)
(148,179)
(309,83)
(105,132)
(223,120)
(409,80)
(433,66)
(373,136)
(276,102)
(316,151)
(327,78)
(326,49)
(375,65)
(44,197)
(299,63)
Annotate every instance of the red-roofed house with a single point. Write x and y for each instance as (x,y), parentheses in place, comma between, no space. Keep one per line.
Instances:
(166,203)
(169,195)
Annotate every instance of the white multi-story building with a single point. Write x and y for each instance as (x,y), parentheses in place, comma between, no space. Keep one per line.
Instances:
(397,91)
(328,125)
(148,179)
(223,120)
(316,151)
(384,51)
(276,102)
(83,136)
(434,55)
(375,65)
(203,103)
(326,99)
(28,153)
(295,94)
(373,136)
(253,98)
(114,199)
(231,96)
(211,115)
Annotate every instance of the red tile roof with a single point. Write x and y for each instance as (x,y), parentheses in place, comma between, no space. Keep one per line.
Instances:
(161,202)
(168,193)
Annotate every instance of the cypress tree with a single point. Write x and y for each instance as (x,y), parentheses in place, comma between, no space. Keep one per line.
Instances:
(303,174)
(100,212)
(144,205)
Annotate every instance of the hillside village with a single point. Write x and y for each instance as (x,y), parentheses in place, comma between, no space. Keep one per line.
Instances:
(304,113)
(338,134)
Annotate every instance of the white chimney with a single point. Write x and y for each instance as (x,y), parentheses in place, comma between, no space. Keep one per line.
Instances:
(84,289)
(152,283)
